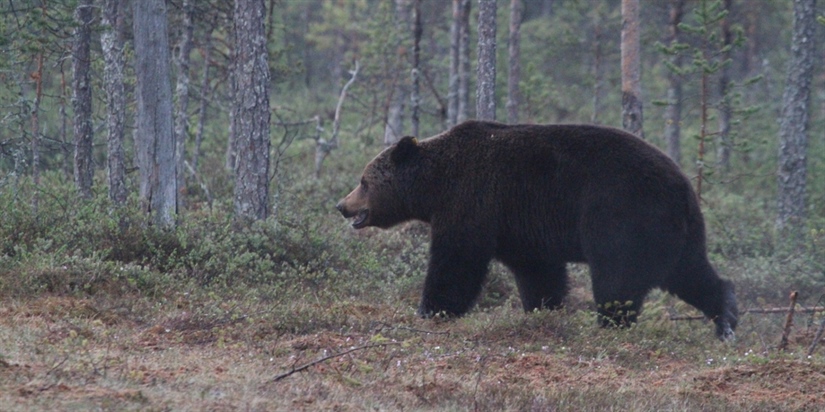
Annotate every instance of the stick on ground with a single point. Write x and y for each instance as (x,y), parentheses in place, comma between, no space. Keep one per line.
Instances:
(326,358)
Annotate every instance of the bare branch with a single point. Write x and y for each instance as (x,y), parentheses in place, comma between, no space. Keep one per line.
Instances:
(333,356)
(323,147)
(817,338)
(755,310)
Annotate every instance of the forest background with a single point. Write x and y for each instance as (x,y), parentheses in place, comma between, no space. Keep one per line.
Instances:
(213,285)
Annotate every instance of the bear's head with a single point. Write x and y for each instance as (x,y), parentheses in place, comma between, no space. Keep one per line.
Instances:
(381,199)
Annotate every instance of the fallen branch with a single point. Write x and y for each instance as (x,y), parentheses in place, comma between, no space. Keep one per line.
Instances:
(817,338)
(786,331)
(333,356)
(754,310)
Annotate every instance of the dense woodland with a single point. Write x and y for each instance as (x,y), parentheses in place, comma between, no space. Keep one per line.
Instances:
(185,156)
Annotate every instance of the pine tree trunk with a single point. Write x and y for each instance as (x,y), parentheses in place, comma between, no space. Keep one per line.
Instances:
(111,41)
(514,52)
(464,61)
(455,41)
(416,71)
(394,128)
(155,138)
(632,119)
(182,109)
(673,111)
(598,62)
(724,143)
(793,126)
(82,99)
(35,143)
(205,94)
(486,74)
(251,120)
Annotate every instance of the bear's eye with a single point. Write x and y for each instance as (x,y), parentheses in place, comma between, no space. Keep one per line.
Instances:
(364,185)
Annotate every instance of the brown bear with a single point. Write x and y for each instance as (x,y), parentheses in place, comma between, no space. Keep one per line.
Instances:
(536,197)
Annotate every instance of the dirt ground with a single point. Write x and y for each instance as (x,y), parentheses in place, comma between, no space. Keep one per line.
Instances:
(66,353)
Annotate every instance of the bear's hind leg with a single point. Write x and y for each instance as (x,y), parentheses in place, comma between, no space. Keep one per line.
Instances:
(700,286)
(541,285)
(618,302)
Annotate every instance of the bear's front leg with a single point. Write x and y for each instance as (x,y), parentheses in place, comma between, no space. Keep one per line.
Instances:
(455,275)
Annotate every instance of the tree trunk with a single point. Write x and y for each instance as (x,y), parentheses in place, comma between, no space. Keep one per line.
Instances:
(155,138)
(82,99)
(111,42)
(514,52)
(464,61)
(182,91)
(793,125)
(598,60)
(486,71)
(251,120)
(205,94)
(394,128)
(416,71)
(455,41)
(632,119)
(673,111)
(724,143)
(35,144)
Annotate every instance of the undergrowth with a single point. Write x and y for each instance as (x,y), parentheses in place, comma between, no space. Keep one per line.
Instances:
(303,284)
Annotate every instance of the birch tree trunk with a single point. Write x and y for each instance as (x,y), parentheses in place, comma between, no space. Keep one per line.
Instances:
(673,111)
(514,52)
(155,138)
(631,69)
(464,61)
(111,42)
(793,125)
(182,109)
(251,119)
(82,99)
(486,72)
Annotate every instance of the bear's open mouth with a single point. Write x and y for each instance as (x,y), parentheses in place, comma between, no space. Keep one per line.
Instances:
(361,219)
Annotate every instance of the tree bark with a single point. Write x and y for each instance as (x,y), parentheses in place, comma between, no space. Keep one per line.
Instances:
(723,150)
(514,52)
(673,111)
(111,42)
(486,71)
(35,123)
(155,138)
(632,119)
(394,128)
(416,70)
(182,91)
(205,94)
(455,41)
(251,120)
(82,99)
(793,125)
(464,61)
(598,71)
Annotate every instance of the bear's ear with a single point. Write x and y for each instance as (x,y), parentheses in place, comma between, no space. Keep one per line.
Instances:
(406,148)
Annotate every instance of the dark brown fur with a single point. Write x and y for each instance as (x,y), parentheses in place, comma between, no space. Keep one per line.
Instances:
(537,197)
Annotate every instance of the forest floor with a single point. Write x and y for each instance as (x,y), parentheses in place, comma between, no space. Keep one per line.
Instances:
(108,352)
